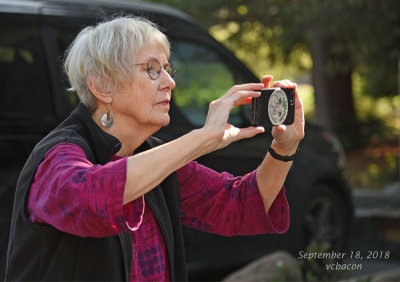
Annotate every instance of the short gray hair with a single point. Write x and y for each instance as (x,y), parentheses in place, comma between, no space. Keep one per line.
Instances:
(106,52)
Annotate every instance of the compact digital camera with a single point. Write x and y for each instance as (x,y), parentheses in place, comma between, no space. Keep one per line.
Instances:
(275,106)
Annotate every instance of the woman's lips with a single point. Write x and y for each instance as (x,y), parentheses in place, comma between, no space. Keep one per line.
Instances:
(164,103)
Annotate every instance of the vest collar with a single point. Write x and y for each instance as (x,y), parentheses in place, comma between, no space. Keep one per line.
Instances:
(105,146)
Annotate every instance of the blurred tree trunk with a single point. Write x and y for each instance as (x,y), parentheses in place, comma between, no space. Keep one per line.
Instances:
(334,105)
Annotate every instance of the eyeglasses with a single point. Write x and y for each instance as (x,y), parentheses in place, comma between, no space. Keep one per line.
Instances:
(154,69)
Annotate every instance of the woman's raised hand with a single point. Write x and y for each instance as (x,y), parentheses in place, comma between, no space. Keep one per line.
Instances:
(221,132)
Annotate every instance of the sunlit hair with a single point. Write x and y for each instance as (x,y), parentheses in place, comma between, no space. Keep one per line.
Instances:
(106,53)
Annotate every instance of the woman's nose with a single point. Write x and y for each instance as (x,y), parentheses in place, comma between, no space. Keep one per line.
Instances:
(167,79)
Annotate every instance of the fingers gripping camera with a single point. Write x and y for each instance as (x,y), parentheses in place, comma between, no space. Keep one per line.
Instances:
(275,106)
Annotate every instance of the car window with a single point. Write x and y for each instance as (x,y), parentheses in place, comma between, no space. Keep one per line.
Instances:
(202,76)
(24,83)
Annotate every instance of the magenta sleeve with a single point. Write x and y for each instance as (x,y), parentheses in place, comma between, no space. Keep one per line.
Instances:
(77,197)
(226,205)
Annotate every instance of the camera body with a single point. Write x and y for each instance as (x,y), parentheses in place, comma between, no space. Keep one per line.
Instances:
(275,106)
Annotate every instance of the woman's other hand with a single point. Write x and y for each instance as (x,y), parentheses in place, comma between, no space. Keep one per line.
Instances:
(217,127)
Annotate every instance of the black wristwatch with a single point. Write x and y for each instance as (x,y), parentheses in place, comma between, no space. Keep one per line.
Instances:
(275,155)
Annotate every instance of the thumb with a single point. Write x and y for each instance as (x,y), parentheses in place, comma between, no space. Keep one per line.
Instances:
(266,79)
(278,130)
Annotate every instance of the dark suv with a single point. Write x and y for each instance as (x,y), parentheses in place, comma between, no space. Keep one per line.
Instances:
(33,100)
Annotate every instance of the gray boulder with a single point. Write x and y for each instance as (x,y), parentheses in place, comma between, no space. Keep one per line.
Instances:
(278,266)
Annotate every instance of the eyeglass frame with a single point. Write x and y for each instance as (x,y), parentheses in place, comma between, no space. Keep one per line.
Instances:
(170,73)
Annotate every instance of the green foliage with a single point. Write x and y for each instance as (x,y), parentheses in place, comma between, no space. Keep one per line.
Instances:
(250,42)
(374,175)
(306,92)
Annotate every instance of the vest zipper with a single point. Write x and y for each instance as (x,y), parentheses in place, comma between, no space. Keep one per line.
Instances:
(125,257)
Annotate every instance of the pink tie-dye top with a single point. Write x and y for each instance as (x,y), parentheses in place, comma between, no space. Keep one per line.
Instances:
(77,197)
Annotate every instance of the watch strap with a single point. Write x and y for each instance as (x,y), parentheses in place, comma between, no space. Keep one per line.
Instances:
(275,155)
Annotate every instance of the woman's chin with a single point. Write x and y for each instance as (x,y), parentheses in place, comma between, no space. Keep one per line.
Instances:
(162,121)
(155,123)
(166,121)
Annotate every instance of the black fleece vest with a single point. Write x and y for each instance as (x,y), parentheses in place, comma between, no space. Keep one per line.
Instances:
(42,253)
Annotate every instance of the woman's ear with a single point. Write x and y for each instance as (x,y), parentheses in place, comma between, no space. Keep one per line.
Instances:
(98,89)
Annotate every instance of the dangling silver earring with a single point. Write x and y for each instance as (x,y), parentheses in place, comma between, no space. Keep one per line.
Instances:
(107,119)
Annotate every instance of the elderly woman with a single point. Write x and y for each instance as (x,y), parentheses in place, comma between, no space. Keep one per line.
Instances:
(100,199)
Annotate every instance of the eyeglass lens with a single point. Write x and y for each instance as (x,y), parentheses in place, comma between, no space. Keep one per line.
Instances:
(154,69)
